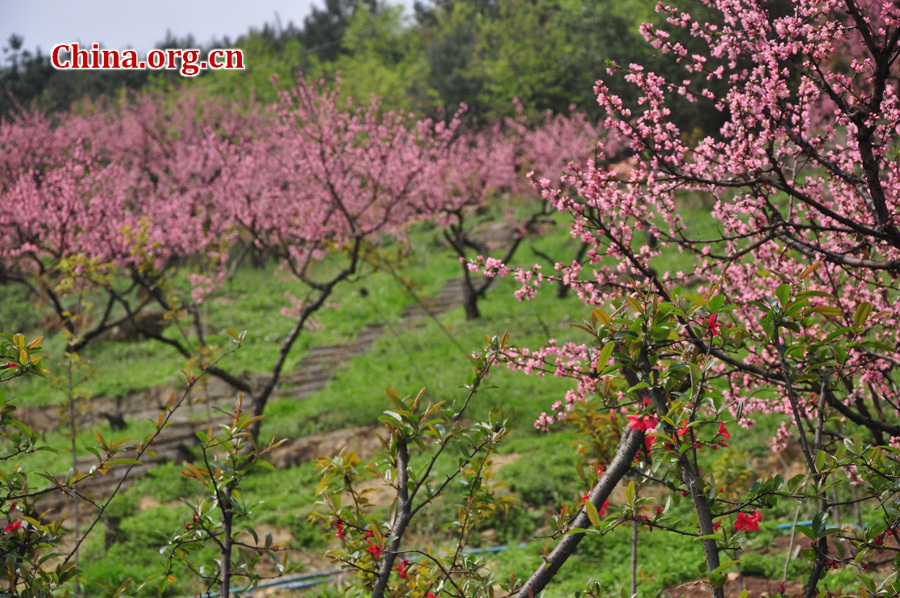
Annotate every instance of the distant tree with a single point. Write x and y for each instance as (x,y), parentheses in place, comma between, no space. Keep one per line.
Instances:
(450,51)
(28,79)
(477,53)
(383,56)
(324,28)
(429,13)
(22,74)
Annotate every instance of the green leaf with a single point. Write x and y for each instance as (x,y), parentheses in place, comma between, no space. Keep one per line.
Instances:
(392,414)
(605,354)
(601,316)
(783,293)
(724,566)
(819,461)
(862,314)
(592,513)
(819,522)
(827,310)
(394,396)
(638,386)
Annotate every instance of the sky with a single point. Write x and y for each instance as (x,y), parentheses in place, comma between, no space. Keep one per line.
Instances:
(119,24)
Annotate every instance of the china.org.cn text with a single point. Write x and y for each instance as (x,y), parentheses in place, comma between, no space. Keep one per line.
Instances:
(71,56)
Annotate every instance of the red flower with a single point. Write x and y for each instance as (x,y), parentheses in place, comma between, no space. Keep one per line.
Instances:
(375,550)
(683,429)
(723,431)
(11,365)
(430,595)
(642,424)
(748,522)
(712,325)
(401,569)
(340,530)
(12,527)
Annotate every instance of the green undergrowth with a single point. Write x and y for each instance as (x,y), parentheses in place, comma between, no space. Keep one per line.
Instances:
(435,356)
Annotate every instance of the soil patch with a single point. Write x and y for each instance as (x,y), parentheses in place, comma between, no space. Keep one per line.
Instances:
(327,444)
(757,587)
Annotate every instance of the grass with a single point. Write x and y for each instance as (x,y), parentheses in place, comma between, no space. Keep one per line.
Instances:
(427,357)
(664,560)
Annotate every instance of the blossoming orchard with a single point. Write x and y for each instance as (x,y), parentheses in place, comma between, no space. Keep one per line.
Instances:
(788,308)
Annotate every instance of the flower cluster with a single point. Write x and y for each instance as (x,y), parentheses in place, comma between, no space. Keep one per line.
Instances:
(642,424)
(879,539)
(747,522)
(189,524)
(374,549)
(12,526)
(402,569)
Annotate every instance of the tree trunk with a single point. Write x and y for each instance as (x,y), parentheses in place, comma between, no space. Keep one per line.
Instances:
(470,302)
